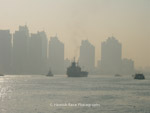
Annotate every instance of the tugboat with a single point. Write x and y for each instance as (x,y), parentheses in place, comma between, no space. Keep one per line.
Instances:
(75,70)
(50,74)
(117,75)
(1,74)
(139,76)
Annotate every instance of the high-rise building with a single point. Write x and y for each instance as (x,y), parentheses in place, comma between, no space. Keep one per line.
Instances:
(20,50)
(5,51)
(127,66)
(67,63)
(87,56)
(38,53)
(111,56)
(35,54)
(44,52)
(56,55)
(44,44)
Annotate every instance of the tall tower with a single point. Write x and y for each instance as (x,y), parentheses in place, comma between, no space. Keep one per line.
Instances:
(111,56)
(87,56)
(56,55)
(5,51)
(20,50)
(44,51)
(44,44)
(35,54)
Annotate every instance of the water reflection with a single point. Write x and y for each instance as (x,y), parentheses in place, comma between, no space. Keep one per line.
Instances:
(34,94)
(1,80)
(5,89)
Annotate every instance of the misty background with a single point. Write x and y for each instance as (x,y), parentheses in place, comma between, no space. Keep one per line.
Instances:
(76,20)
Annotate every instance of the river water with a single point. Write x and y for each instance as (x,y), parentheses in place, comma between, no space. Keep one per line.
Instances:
(60,94)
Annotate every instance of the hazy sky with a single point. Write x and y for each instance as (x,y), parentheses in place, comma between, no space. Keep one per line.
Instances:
(95,20)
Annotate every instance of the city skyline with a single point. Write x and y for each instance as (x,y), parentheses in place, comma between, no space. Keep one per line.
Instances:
(76,20)
(74,56)
(47,41)
(112,61)
(33,53)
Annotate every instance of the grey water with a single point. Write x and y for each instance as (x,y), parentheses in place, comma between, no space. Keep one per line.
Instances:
(60,94)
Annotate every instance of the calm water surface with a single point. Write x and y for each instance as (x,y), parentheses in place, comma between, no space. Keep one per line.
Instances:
(40,94)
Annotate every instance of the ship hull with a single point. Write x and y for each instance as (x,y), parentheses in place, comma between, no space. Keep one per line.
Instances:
(82,74)
(139,77)
(75,71)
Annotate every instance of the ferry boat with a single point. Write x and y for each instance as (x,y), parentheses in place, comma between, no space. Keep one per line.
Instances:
(139,76)
(50,73)
(75,70)
(1,74)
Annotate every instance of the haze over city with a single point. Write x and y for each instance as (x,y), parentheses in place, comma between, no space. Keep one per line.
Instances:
(74,56)
(76,20)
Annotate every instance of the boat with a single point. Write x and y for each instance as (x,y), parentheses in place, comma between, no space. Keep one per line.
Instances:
(1,74)
(139,76)
(50,73)
(75,70)
(117,75)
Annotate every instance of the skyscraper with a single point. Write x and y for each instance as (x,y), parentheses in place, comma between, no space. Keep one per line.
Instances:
(38,53)
(111,56)
(20,50)
(44,51)
(56,55)
(5,51)
(87,56)
(127,66)
(44,40)
(35,54)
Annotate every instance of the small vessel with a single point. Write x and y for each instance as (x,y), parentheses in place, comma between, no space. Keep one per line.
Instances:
(117,75)
(139,76)
(50,73)
(1,74)
(75,70)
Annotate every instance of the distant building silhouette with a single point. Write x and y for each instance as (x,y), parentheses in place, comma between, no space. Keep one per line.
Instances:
(87,56)
(5,51)
(44,44)
(111,56)
(38,53)
(56,55)
(67,63)
(20,50)
(26,53)
(35,53)
(127,66)
(44,52)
